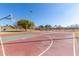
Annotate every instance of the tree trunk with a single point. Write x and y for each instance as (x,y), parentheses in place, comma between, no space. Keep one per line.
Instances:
(25,29)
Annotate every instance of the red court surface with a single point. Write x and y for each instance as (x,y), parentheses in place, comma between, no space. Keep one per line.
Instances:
(46,44)
(77,46)
(1,53)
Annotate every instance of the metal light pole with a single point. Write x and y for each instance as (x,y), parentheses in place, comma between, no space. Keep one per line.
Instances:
(8,17)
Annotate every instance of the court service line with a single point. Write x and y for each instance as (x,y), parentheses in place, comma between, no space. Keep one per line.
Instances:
(74,44)
(46,49)
(2,46)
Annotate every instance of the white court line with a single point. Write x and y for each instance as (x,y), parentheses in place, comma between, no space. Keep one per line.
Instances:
(74,44)
(46,49)
(2,46)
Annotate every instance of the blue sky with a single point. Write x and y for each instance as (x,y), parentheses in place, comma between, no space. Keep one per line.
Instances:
(53,14)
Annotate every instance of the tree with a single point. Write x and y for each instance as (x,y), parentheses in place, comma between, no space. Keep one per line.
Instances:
(41,27)
(74,26)
(25,24)
(48,27)
(30,24)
